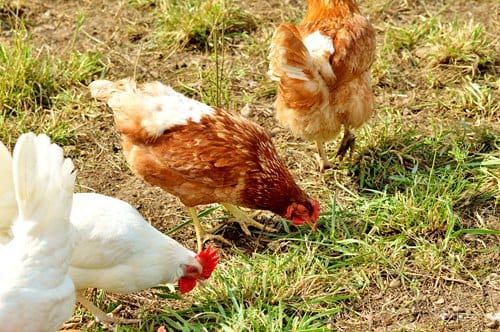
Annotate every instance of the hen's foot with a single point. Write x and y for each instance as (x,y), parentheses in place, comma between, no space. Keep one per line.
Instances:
(69,327)
(322,158)
(122,321)
(240,217)
(208,236)
(244,220)
(347,143)
(203,235)
(324,164)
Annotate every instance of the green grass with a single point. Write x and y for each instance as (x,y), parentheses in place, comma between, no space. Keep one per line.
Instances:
(452,60)
(181,24)
(38,91)
(408,218)
(216,86)
(255,296)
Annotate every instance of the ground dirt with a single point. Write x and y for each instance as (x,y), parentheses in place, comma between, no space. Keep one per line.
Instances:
(119,32)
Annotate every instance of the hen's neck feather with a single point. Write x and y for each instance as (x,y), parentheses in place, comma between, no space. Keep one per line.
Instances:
(325,9)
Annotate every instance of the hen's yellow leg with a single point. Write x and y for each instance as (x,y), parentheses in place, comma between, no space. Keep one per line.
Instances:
(323,162)
(201,235)
(244,220)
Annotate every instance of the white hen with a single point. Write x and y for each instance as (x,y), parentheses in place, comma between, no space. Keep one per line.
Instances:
(36,293)
(118,251)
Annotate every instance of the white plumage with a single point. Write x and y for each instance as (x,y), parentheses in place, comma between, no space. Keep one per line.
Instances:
(8,206)
(159,103)
(115,249)
(118,251)
(36,292)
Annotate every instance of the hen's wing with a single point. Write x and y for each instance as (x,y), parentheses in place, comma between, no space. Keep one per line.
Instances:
(117,250)
(353,39)
(216,152)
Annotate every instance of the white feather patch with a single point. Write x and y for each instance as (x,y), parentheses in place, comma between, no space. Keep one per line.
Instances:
(320,47)
(172,109)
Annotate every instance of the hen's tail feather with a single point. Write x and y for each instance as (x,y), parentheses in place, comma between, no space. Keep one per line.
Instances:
(130,106)
(143,112)
(104,90)
(289,55)
(8,205)
(43,183)
(302,85)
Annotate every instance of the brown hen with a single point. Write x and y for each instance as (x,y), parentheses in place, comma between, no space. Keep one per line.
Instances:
(323,69)
(203,154)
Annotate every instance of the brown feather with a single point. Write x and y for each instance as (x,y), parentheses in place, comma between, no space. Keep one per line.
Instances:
(223,158)
(318,108)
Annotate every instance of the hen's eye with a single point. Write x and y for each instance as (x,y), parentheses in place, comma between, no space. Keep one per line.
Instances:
(192,269)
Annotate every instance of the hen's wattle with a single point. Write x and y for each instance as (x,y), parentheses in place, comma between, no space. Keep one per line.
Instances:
(186,284)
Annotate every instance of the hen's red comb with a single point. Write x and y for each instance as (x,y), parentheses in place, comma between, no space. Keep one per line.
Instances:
(208,259)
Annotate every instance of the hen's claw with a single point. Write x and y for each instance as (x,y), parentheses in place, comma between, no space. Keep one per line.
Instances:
(240,217)
(207,236)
